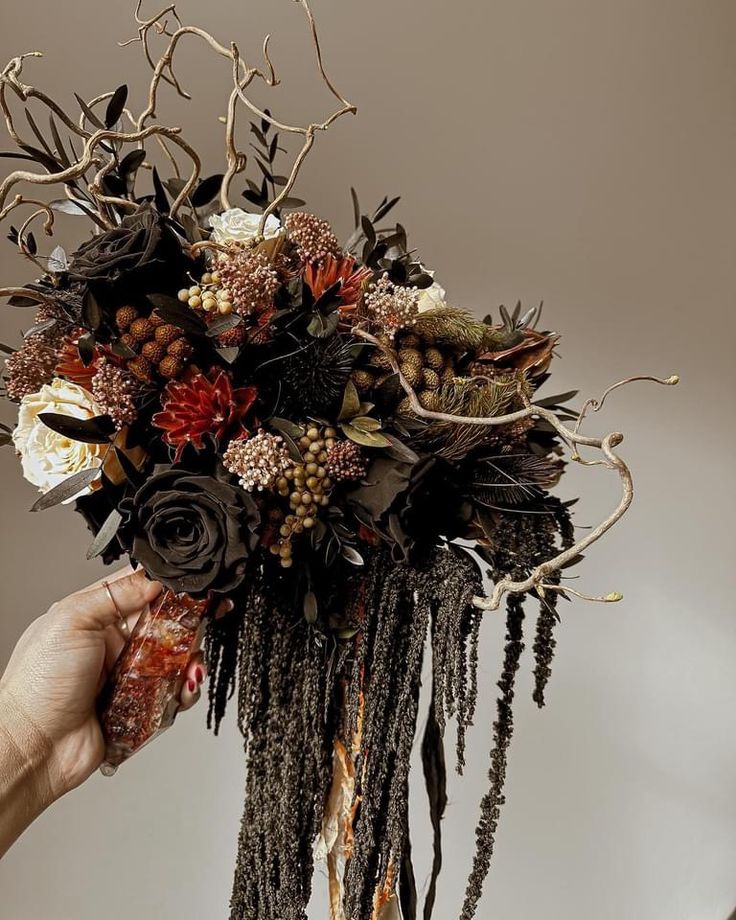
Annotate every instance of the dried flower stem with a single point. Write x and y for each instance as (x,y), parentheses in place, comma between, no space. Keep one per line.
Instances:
(572,437)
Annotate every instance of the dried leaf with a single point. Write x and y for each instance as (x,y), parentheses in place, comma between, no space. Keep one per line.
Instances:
(350,402)
(67,489)
(115,106)
(106,534)
(95,430)
(365,438)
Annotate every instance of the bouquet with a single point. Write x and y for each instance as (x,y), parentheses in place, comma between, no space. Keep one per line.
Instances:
(251,408)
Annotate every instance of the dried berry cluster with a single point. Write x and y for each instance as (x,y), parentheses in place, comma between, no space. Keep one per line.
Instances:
(160,348)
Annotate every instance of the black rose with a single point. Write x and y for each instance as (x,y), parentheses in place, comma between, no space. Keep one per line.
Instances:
(194,533)
(432,506)
(131,253)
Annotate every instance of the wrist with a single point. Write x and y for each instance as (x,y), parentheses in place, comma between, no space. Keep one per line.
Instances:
(25,756)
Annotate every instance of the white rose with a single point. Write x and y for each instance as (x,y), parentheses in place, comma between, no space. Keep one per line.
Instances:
(49,458)
(237,225)
(433,296)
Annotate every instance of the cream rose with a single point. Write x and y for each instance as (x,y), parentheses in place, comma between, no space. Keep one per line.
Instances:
(237,225)
(433,296)
(49,458)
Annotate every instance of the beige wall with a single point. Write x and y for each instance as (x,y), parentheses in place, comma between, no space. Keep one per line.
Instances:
(580,151)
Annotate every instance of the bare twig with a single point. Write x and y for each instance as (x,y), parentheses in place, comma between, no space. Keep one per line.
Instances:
(572,437)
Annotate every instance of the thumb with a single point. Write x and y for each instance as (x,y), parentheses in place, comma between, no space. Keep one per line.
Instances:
(104,604)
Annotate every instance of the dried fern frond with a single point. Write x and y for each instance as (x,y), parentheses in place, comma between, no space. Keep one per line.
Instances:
(511,479)
(477,397)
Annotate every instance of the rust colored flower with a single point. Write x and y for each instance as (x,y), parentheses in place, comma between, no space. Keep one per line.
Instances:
(202,405)
(532,355)
(322,276)
(70,365)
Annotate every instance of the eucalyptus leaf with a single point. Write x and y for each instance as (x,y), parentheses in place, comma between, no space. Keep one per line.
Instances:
(311,609)
(58,261)
(105,534)
(229,355)
(365,438)
(67,489)
(365,423)
(350,402)
(352,555)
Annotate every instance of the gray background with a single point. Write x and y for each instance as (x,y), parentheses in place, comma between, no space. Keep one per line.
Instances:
(579,151)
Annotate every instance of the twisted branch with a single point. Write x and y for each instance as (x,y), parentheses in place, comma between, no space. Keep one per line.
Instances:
(573,438)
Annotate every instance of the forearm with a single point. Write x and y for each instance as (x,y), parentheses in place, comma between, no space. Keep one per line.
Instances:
(25,788)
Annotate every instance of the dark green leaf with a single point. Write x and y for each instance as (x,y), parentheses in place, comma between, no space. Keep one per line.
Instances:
(5,439)
(67,206)
(310,607)
(356,206)
(160,199)
(12,155)
(435,779)
(129,166)
(321,326)
(352,555)
(91,311)
(223,325)
(89,114)
(291,202)
(384,208)
(41,139)
(40,156)
(40,327)
(115,106)
(132,473)
(259,134)
(228,354)
(97,430)
(350,402)
(105,534)
(206,190)
(60,151)
(66,489)
(122,350)
(177,313)
(31,244)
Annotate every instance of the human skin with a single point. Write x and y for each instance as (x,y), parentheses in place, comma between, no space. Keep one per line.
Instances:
(50,737)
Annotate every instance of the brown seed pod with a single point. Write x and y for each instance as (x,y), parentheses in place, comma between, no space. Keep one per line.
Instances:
(363,381)
(156,320)
(430,378)
(170,367)
(141,329)
(434,358)
(141,367)
(180,348)
(125,316)
(430,399)
(130,342)
(167,334)
(153,351)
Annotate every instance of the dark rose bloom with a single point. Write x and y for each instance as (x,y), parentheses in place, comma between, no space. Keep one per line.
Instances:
(142,243)
(193,533)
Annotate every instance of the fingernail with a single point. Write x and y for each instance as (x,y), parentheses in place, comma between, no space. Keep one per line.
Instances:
(191,686)
(199,674)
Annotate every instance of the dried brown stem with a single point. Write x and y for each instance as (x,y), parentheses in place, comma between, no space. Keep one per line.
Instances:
(572,437)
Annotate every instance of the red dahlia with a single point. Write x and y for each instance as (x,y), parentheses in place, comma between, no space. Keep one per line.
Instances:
(321,276)
(201,405)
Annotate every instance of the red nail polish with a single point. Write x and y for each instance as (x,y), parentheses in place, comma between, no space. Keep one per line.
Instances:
(199,674)
(191,686)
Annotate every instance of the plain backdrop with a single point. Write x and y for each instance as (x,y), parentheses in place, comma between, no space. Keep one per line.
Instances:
(576,151)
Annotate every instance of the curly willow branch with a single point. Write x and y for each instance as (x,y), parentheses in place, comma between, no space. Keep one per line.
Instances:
(609,458)
(98,156)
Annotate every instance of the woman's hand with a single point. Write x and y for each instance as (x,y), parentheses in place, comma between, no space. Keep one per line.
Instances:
(50,738)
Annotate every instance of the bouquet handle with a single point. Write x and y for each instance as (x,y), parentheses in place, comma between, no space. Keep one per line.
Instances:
(141,697)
